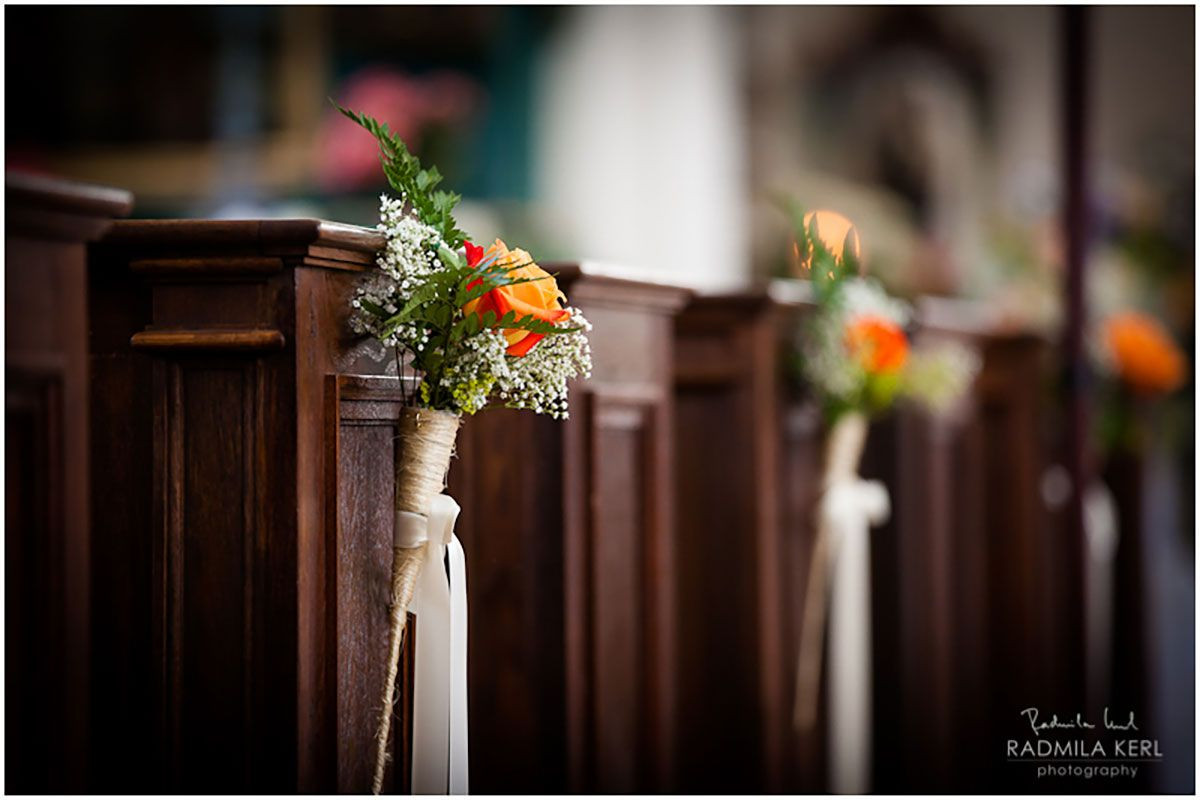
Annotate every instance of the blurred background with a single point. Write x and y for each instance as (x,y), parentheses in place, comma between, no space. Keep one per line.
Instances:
(658,138)
(636,134)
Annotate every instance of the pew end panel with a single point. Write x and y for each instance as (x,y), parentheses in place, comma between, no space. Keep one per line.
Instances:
(244,460)
(48,548)
(569,537)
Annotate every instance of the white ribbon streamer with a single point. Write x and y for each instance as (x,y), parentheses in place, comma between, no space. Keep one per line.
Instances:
(1102,537)
(848,508)
(439,744)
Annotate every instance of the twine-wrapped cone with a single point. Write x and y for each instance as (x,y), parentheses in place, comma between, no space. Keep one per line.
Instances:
(843,452)
(423,449)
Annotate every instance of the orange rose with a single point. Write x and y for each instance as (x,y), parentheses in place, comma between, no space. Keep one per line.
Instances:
(833,230)
(538,298)
(1144,354)
(878,344)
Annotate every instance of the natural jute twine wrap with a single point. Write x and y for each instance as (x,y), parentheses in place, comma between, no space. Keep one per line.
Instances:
(424,447)
(843,452)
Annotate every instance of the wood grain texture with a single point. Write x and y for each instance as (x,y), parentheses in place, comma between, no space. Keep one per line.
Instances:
(626,429)
(730,577)
(349,245)
(635,581)
(48,224)
(511,529)
(53,209)
(190,268)
(963,576)
(366,417)
(571,564)
(230,499)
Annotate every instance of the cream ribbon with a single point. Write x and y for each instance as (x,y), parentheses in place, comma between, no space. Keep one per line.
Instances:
(1102,536)
(848,509)
(439,743)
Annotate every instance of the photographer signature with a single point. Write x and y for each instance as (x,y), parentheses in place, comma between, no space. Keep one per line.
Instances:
(1076,723)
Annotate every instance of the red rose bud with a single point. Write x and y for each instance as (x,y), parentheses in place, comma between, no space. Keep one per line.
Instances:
(474,254)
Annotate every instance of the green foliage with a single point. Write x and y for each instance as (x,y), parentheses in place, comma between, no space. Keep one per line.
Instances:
(404,172)
(880,390)
(430,322)
(826,271)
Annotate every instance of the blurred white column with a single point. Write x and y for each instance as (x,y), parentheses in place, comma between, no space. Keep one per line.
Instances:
(641,140)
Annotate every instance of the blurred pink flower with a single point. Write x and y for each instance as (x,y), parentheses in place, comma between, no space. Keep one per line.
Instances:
(348,157)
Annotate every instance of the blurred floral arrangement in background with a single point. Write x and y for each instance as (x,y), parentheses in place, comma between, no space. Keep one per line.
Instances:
(854,354)
(1140,352)
(1141,299)
(1139,365)
(417,105)
(853,351)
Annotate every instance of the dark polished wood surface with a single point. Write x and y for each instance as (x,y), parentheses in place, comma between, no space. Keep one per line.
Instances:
(247,491)
(48,224)
(1127,475)
(243,454)
(963,603)
(570,556)
(730,572)
(967,621)
(636,572)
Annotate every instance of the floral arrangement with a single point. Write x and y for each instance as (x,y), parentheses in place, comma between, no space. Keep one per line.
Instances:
(855,355)
(854,352)
(1137,349)
(478,325)
(1139,364)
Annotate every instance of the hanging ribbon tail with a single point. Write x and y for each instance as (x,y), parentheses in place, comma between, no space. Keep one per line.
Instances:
(1102,538)
(849,508)
(458,667)
(439,736)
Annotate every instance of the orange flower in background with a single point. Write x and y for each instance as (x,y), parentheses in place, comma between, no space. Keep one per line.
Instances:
(1143,353)
(833,230)
(539,298)
(878,344)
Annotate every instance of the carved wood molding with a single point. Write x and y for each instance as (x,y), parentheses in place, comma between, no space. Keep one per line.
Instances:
(589,284)
(211,244)
(618,596)
(64,210)
(250,339)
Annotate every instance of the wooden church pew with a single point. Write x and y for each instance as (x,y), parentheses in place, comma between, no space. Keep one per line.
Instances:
(242,454)
(48,225)
(570,541)
(961,572)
